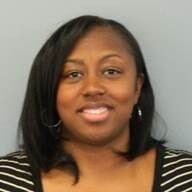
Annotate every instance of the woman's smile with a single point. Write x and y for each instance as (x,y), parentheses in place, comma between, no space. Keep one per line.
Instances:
(95,112)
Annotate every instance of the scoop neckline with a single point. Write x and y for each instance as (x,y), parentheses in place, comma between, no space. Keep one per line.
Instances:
(156,180)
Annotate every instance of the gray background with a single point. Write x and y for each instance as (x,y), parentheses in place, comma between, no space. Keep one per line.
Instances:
(162,27)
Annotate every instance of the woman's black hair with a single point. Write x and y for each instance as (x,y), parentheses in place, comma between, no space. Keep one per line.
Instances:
(44,144)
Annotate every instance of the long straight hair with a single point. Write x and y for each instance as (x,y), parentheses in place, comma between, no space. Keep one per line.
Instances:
(44,144)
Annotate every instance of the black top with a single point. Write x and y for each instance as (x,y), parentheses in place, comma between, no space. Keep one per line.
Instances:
(173,172)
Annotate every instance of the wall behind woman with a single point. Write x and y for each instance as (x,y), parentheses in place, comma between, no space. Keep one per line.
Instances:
(163,29)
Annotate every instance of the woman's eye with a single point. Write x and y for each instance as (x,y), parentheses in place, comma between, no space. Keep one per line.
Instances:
(73,76)
(112,72)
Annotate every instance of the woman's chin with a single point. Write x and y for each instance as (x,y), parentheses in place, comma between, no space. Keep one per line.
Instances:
(102,138)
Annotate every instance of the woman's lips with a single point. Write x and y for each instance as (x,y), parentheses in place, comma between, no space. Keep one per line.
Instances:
(95,112)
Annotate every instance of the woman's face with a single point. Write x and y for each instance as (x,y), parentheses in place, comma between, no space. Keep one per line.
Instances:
(98,89)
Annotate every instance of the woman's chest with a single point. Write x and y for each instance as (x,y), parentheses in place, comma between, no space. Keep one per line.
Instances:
(116,185)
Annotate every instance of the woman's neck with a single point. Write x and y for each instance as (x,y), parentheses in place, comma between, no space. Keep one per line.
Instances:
(98,159)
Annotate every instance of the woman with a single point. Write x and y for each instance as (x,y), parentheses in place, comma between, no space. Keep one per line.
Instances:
(86,119)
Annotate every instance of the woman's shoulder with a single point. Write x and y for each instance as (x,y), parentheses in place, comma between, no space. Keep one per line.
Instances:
(17,160)
(15,172)
(14,155)
(169,152)
(176,161)
(176,157)
(176,169)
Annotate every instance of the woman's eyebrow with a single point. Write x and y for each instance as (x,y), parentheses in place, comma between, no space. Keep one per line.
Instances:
(75,61)
(109,56)
(103,58)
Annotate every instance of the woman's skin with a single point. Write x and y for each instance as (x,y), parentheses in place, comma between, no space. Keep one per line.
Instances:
(96,95)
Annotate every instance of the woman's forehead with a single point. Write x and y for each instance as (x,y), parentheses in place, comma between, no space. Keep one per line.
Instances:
(103,39)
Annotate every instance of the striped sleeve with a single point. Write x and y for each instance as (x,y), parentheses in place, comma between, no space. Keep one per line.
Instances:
(15,174)
(176,173)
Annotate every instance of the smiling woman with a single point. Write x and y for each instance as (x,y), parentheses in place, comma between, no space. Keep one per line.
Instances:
(87,118)
(102,88)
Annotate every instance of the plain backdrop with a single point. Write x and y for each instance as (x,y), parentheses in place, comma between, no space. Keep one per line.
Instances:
(162,27)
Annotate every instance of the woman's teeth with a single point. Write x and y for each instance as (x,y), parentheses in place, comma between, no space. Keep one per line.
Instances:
(95,111)
(95,115)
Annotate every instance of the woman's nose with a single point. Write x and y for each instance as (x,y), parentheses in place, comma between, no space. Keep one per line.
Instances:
(93,87)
